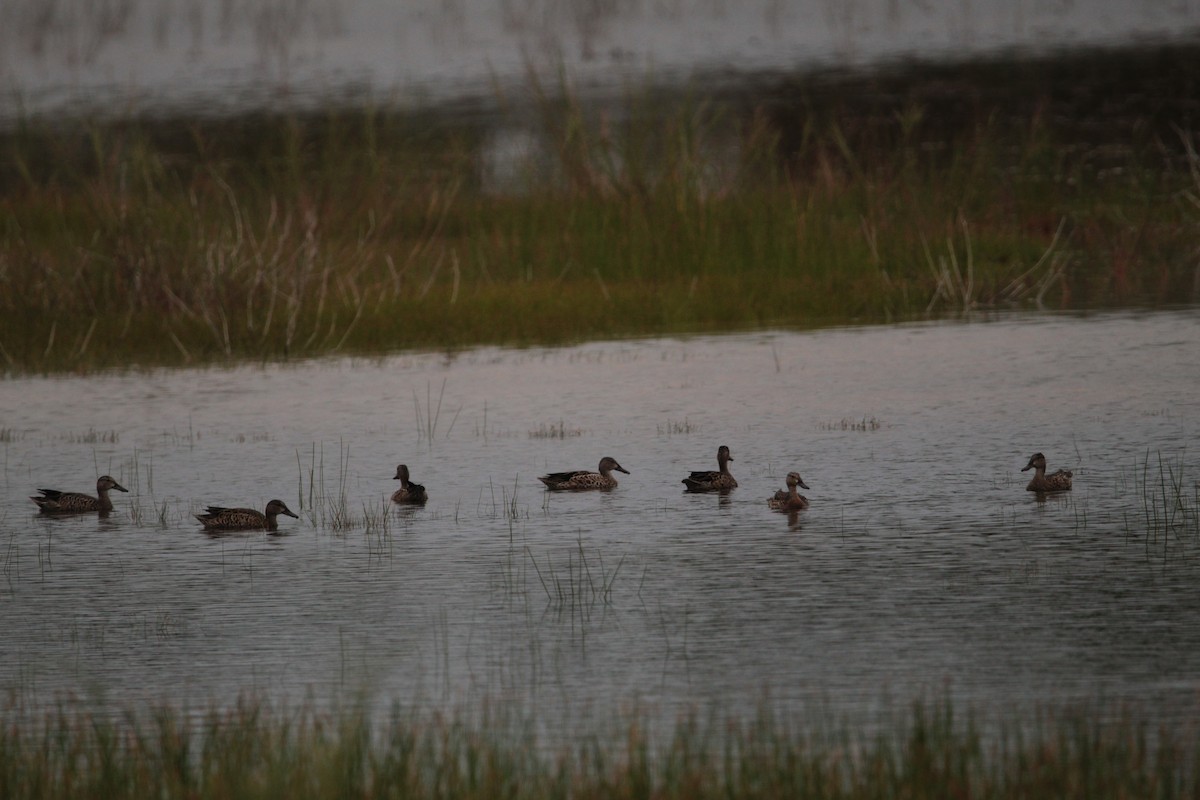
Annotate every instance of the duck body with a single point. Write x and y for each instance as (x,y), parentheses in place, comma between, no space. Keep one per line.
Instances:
(790,500)
(1041,482)
(583,480)
(53,501)
(219,518)
(408,492)
(713,481)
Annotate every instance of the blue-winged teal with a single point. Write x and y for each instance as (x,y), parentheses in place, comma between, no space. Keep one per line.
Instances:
(244,519)
(53,501)
(1057,482)
(790,500)
(709,481)
(580,480)
(408,492)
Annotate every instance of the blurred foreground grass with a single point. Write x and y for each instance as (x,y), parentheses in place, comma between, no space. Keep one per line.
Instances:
(256,750)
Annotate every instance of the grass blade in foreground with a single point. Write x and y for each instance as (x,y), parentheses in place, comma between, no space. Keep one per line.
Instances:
(257,750)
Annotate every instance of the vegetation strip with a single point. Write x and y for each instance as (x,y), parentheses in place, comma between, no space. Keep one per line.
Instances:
(801,202)
(256,750)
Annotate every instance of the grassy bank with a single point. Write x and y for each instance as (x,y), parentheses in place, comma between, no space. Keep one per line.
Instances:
(257,751)
(1065,183)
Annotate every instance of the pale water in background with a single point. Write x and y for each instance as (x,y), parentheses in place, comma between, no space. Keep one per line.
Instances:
(922,568)
(222,56)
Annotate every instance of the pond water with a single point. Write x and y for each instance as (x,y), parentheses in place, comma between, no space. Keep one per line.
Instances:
(220,56)
(922,567)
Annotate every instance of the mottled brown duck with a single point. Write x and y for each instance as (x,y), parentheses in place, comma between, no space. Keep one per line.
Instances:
(408,492)
(791,500)
(582,480)
(53,501)
(1041,482)
(218,518)
(709,481)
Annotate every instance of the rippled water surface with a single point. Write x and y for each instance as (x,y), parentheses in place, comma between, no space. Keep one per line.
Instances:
(922,565)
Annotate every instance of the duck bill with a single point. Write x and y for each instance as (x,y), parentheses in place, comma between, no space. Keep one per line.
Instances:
(119,487)
(1027,467)
(804,485)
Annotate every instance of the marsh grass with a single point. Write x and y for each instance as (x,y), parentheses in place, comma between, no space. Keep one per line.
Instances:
(579,585)
(557,430)
(503,504)
(90,436)
(956,289)
(326,507)
(800,202)
(852,424)
(1170,508)
(257,750)
(325,500)
(673,427)
(377,517)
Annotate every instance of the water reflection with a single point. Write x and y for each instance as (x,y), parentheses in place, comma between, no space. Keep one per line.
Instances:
(922,562)
(213,533)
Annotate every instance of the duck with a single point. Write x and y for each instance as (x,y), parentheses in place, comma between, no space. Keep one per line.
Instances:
(582,480)
(408,492)
(709,481)
(53,501)
(790,500)
(218,518)
(1041,482)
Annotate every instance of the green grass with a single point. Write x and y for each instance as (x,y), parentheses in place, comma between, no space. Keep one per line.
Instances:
(256,750)
(818,200)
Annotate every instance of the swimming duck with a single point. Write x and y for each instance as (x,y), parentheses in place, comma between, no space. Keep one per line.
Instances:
(782,494)
(53,501)
(1057,482)
(217,518)
(579,480)
(709,481)
(408,492)
(790,500)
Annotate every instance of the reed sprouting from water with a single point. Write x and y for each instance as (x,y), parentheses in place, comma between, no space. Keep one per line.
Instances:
(580,585)
(330,507)
(255,749)
(1170,507)
(158,242)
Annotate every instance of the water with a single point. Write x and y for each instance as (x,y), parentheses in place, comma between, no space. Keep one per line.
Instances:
(922,568)
(206,56)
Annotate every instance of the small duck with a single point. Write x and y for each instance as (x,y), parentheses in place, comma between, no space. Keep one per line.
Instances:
(53,501)
(217,518)
(790,500)
(709,481)
(1041,482)
(581,480)
(408,492)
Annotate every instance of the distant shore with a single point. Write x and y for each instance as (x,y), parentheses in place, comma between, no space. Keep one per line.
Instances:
(1068,182)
